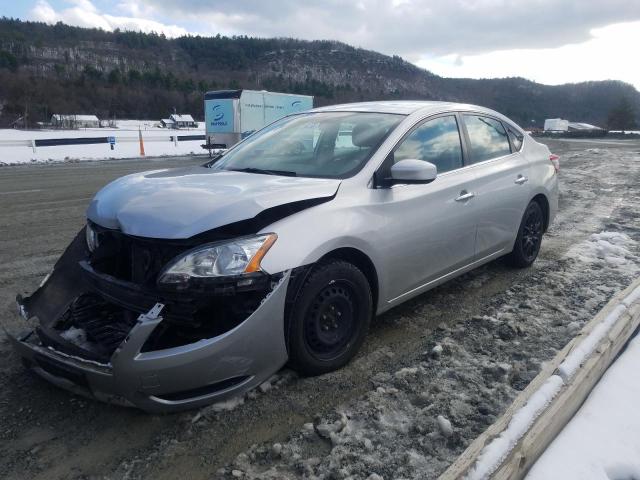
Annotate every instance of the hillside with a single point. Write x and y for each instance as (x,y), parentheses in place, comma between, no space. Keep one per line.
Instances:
(48,69)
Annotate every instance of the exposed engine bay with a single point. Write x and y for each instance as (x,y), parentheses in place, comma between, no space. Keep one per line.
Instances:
(115,283)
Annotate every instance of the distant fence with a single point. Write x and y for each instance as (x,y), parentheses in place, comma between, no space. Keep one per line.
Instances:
(55,142)
(184,138)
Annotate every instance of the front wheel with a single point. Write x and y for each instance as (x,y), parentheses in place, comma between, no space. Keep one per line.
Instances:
(329,319)
(529,239)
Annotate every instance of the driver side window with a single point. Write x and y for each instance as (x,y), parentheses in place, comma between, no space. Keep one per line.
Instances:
(436,141)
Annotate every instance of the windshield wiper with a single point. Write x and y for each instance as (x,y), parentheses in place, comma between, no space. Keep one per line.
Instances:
(284,173)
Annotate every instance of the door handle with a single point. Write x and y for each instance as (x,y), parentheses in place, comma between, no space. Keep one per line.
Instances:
(464,196)
(521,179)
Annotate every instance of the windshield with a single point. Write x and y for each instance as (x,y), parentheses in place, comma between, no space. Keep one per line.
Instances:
(320,144)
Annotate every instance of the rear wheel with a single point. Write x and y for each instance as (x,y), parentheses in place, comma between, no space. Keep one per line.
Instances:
(329,319)
(529,239)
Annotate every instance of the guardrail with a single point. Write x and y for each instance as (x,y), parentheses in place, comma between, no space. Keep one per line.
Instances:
(55,142)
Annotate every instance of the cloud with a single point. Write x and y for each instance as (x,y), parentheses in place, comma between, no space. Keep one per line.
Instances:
(604,56)
(551,41)
(83,13)
(413,27)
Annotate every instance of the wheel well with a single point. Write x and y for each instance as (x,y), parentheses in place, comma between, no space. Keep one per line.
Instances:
(541,200)
(299,275)
(363,262)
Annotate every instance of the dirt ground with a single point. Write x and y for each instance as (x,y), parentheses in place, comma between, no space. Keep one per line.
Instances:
(493,328)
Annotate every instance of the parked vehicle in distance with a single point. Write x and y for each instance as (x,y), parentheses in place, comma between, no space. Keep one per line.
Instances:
(190,285)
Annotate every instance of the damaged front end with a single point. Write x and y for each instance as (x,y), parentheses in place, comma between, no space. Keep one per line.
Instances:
(106,326)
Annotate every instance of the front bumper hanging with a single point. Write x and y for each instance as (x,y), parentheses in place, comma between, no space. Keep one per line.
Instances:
(162,380)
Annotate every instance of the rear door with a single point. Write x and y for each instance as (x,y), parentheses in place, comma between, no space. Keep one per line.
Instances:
(426,230)
(501,185)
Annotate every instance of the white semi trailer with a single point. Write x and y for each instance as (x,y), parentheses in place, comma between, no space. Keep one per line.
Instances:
(231,115)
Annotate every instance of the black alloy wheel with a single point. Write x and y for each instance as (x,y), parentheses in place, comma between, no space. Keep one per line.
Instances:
(527,246)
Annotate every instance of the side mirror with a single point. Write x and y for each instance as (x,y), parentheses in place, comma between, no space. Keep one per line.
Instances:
(413,171)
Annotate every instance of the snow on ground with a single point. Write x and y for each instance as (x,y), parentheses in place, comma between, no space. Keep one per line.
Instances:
(417,419)
(414,422)
(602,441)
(497,450)
(606,247)
(494,454)
(156,143)
(427,402)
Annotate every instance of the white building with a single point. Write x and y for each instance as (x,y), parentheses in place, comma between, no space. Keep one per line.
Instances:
(74,121)
(556,125)
(183,121)
(560,125)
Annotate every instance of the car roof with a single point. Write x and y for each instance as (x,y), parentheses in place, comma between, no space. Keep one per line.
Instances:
(407,107)
(403,107)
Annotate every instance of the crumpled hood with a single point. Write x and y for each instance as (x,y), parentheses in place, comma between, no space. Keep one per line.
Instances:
(180,203)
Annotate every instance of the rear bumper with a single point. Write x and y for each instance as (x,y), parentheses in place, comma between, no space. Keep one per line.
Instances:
(176,378)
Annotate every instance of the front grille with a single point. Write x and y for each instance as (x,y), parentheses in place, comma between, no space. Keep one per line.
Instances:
(91,327)
(103,323)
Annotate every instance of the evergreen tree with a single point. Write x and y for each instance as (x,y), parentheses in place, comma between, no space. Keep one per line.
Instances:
(622,116)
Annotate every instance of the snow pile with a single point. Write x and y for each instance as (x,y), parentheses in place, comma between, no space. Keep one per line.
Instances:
(601,442)
(77,336)
(606,247)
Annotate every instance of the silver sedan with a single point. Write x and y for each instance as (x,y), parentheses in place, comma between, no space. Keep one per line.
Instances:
(192,285)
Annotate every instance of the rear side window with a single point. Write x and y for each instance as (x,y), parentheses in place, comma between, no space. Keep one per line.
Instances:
(436,141)
(516,138)
(487,138)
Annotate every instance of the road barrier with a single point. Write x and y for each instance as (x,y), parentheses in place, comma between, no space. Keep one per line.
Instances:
(510,447)
(56,142)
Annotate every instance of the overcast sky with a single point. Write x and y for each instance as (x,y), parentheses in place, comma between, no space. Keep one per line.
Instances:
(547,41)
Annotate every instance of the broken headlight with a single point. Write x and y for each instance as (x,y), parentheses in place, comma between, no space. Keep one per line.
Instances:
(92,237)
(236,257)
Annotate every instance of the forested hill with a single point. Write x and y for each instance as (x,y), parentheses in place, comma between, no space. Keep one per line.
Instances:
(47,69)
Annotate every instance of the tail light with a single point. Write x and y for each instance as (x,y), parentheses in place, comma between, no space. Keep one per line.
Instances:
(555,159)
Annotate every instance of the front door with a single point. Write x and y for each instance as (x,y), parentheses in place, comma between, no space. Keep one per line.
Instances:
(426,230)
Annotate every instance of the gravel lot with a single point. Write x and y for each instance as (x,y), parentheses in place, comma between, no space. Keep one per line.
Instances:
(433,374)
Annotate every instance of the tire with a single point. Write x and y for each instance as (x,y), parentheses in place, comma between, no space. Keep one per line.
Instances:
(329,319)
(525,251)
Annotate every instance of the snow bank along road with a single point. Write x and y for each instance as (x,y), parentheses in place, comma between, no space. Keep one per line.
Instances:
(433,374)
(14,147)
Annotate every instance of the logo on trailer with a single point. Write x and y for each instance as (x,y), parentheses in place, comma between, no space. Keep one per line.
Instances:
(217,115)
(296,103)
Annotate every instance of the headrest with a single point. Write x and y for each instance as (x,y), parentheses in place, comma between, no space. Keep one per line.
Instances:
(365,135)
